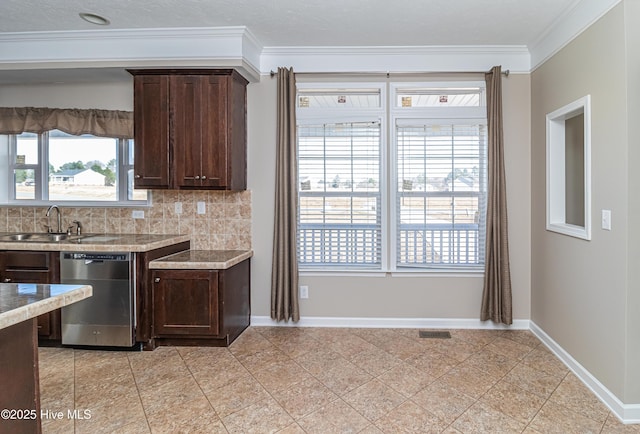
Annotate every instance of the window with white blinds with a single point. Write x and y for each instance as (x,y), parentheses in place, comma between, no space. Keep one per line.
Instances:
(339,194)
(391,176)
(440,195)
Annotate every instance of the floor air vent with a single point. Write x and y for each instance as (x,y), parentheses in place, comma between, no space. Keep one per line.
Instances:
(434,334)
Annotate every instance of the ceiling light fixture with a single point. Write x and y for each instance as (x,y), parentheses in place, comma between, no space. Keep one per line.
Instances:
(94,19)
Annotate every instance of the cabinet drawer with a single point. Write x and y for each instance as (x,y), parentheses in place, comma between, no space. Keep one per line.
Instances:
(28,261)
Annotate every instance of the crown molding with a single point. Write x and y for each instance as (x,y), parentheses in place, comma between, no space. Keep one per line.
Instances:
(195,47)
(567,27)
(403,58)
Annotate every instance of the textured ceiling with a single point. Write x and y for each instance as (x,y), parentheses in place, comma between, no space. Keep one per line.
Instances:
(309,23)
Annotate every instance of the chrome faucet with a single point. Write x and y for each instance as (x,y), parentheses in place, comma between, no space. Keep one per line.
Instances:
(59,219)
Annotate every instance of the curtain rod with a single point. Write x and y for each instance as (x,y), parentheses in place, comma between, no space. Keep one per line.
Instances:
(389,73)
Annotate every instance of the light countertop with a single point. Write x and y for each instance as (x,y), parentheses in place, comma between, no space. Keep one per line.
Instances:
(23,301)
(201,260)
(98,243)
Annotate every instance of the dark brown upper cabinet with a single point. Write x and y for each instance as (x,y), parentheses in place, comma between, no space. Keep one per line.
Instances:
(190,129)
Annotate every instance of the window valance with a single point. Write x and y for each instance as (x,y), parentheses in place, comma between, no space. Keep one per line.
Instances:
(102,123)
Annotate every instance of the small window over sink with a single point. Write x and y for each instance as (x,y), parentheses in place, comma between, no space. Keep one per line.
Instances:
(70,169)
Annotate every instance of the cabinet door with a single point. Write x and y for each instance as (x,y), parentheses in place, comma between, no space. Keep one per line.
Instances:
(215,132)
(151,132)
(187,113)
(185,302)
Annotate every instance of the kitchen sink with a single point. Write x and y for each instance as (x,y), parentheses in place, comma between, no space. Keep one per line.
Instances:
(40,237)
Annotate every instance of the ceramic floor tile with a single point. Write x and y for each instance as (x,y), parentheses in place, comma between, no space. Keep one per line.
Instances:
(480,418)
(343,376)
(99,391)
(406,379)
(614,426)
(323,380)
(409,417)
(375,361)
(261,417)
(494,364)
(543,360)
(433,363)
(172,393)
(337,416)
(216,376)
(510,348)
(304,397)
(443,401)
(469,381)
(555,418)
(533,380)
(282,375)
(524,337)
(195,416)
(236,396)
(456,349)
(110,417)
(513,401)
(374,399)
(294,428)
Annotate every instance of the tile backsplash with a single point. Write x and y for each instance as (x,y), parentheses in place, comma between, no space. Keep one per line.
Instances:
(226,223)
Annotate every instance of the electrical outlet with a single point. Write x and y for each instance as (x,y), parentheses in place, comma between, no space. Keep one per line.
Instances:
(137,214)
(304,291)
(606,219)
(178,206)
(201,207)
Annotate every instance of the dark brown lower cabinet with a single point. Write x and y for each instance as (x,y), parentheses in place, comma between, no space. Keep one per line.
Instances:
(35,267)
(200,307)
(186,302)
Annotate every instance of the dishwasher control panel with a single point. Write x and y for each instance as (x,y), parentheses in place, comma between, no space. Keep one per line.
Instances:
(96,256)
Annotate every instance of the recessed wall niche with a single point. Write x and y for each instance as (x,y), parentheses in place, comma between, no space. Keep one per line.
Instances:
(569,169)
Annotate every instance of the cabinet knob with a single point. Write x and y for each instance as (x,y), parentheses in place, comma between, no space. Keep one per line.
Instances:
(7,280)
(157,279)
(197,177)
(137,176)
(204,177)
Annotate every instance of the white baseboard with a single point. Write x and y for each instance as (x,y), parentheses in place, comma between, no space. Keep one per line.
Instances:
(425,323)
(627,413)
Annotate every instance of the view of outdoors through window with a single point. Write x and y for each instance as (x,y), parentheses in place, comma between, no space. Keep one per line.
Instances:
(436,156)
(80,168)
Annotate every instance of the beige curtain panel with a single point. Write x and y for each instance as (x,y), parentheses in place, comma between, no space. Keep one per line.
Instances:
(284,270)
(103,123)
(496,297)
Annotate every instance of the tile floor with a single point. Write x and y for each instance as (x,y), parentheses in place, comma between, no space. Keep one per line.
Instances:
(323,380)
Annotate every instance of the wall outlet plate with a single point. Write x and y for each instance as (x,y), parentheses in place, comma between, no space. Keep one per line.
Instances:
(304,291)
(137,214)
(201,207)
(178,207)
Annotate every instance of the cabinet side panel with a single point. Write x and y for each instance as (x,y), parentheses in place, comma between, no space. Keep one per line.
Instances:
(236,302)
(238,134)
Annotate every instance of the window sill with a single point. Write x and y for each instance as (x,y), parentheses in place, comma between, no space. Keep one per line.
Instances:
(435,273)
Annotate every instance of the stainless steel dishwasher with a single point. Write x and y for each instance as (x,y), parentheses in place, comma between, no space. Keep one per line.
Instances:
(107,318)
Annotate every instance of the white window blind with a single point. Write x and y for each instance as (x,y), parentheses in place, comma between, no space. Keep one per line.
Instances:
(440,194)
(339,194)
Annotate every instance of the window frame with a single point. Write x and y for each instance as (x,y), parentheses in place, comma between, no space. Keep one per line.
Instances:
(312,116)
(428,115)
(389,113)
(124,164)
